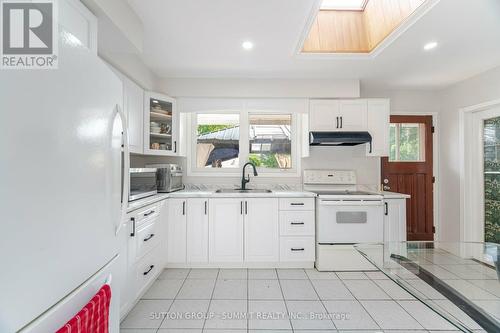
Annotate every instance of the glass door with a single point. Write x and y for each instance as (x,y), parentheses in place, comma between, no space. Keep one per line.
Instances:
(491,172)
(160,125)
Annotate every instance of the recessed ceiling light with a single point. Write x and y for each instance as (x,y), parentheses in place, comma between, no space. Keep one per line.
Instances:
(430,46)
(247,45)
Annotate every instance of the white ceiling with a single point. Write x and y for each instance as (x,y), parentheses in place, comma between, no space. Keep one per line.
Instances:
(198,38)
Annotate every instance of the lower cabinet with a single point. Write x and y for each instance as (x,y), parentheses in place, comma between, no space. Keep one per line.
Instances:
(395,220)
(226,230)
(176,230)
(142,240)
(261,230)
(197,230)
(239,231)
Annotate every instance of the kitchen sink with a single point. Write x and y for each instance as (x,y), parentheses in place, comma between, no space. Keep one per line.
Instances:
(236,190)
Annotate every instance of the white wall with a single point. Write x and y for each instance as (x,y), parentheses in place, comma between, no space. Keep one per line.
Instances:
(255,88)
(479,89)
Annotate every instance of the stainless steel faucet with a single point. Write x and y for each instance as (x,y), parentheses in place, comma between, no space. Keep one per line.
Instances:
(244,180)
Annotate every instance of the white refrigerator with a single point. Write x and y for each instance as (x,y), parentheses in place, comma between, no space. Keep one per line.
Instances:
(61,194)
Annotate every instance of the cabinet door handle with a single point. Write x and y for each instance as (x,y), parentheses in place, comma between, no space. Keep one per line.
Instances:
(149,270)
(386,208)
(297,223)
(297,249)
(341,125)
(246,207)
(132,234)
(297,204)
(184,208)
(149,237)
(149,213)
(206,208)
(175,146)
(241,207)
(337,122)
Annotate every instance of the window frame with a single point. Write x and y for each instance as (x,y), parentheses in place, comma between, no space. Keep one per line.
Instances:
(397,141)
(244,144)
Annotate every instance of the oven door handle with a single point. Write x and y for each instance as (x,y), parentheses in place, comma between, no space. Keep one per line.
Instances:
(351,202)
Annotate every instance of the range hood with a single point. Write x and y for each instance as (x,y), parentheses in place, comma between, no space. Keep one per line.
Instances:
(339,138)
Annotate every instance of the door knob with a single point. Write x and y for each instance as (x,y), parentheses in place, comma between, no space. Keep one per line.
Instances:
(386,188)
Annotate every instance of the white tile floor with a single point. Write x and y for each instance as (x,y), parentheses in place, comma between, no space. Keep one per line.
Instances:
(282,300)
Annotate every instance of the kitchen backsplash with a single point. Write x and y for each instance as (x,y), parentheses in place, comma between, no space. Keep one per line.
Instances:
(342,158)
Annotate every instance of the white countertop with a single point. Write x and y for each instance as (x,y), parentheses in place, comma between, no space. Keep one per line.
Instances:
(211,194)
(393,195)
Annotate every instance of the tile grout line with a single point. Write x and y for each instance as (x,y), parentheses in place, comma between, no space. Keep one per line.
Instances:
(319,298)
(173,301)
(210,301)
(284,300)
(361,304)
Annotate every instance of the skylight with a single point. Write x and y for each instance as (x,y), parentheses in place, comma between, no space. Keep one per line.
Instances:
(343,4)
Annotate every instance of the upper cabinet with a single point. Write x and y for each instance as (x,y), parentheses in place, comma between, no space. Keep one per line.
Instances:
(79,21)
(378,126)
(161,125)
(354,115)
(133,99)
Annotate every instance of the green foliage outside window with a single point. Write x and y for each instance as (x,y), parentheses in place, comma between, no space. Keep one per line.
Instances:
(265,160)
(204,129)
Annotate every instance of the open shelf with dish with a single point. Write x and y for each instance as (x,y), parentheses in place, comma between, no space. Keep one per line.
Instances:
(160,123)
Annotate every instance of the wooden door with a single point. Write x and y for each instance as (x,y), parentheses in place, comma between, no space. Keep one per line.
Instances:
(408,169)
(197,230)
(261,230)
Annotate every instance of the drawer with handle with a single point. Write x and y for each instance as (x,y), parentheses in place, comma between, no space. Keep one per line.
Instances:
(296,203)
(147,269)
(297,248)
(149,212)
(297,223)
(147,237)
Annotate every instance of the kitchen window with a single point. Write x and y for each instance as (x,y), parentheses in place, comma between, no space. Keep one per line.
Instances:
(217,141)
(407,142)
(270,140)
(222,141)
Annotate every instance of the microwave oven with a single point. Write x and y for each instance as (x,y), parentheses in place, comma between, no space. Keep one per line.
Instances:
(142,183)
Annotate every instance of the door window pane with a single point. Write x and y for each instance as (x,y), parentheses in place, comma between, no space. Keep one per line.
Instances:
(270,141)
(407,142)
(491,138)
(217,143)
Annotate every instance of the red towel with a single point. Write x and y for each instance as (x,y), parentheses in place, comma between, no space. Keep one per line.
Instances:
(94,316)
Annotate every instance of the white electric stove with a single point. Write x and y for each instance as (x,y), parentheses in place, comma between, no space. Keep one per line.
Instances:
(344,216)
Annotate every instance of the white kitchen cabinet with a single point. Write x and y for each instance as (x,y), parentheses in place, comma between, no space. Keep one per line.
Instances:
(297,229)
(226,230)
(74,17)
(161,125)
(395,220)
(142,240)
(197,230)
(338,115)
(133,96)
(133,103)
(261,229)
(324,114)
(353,115)
(378,126)
(176,231)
